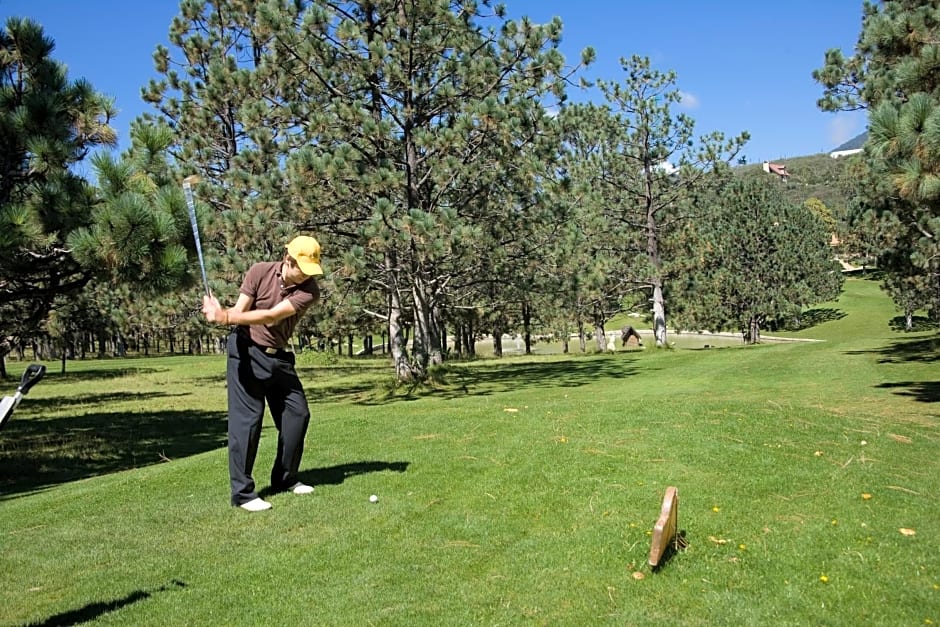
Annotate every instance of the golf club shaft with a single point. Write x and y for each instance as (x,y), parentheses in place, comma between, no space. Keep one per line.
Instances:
(7,405)
(191,204)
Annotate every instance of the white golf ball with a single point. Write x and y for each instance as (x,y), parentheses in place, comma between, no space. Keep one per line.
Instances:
(374,499)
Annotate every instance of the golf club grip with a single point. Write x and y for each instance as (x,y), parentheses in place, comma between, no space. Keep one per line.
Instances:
(191,204)
(34,372)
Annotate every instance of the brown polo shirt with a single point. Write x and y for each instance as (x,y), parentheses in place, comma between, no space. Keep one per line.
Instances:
(263,284)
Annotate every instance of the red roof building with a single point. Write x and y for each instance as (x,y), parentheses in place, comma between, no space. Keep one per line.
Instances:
(776,168)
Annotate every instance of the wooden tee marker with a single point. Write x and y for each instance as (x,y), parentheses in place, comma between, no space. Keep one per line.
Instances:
(664,532)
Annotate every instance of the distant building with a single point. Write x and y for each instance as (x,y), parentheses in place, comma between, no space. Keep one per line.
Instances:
(776,168)
(835,154)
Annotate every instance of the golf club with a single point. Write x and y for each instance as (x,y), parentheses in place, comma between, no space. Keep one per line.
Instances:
(188,183)
(34,372)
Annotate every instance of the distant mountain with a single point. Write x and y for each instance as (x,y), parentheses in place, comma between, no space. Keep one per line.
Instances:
(853,144)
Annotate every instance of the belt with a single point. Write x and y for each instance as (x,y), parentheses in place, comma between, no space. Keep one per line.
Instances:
(268,350)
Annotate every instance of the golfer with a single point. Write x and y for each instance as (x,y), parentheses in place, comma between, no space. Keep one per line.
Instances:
(272,298)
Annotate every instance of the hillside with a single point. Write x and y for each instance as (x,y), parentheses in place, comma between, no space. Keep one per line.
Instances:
(814,176)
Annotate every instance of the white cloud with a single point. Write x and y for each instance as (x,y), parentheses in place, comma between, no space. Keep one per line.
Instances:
(842,128)
(666,167)
(688,101)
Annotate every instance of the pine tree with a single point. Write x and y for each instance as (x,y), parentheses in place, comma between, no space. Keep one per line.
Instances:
(392,130)
(140,218)
(760,260)
(646,170)
(893,75)
(595,279)
(48,124)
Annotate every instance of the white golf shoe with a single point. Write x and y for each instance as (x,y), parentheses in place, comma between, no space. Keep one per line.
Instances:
(255,505)
(301,488)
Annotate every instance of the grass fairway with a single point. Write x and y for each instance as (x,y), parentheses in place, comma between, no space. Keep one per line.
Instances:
(515,491)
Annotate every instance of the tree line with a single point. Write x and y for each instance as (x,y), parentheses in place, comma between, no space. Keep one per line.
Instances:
(432,148)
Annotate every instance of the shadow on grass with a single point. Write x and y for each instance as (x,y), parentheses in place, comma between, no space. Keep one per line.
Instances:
(458,380)
(814,317)
(925,350)
(209,379)
(37,453)
(335,475)
(923,391)
(679,543)
(96,610)
(98,374)
(52,404)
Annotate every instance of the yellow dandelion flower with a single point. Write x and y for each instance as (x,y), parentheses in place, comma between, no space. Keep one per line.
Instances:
(866,496)
(716,509)
(824,578)
(742,547)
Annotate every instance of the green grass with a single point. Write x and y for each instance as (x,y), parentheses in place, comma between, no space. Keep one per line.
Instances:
(514,491)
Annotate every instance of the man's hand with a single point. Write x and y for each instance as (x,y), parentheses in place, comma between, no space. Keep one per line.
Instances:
(213,310)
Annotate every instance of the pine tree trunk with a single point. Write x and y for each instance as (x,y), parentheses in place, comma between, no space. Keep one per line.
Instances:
(6,347)
(499,327)
(527,327)
(396,341)
(468,339)
(600,336)
(458,341)
(652,253)
(438,335)
(426,344)
(396,334)
(753,331)
(659,315)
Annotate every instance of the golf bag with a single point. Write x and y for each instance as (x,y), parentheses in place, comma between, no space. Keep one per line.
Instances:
(34,372)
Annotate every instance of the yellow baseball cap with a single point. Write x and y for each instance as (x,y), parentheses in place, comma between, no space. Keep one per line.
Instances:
(306,252)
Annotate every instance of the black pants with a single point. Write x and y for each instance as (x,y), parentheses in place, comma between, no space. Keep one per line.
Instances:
(254,377)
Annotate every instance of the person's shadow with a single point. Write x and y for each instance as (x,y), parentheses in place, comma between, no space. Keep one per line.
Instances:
(94,611)
(335,475)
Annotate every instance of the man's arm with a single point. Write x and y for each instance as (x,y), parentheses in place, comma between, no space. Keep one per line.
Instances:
(240,313)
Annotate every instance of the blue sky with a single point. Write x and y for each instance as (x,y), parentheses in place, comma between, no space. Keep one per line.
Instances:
(741,65)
